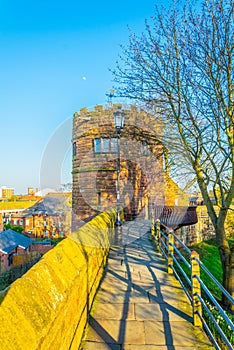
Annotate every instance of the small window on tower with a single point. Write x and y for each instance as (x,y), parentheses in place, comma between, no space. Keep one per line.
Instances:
(113,145)
(105,145)
(74,148)
(99,198)
(97,145)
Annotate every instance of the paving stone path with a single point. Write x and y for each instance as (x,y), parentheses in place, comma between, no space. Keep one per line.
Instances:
(138,305)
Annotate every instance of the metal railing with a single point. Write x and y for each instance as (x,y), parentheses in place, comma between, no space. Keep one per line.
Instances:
(197,292)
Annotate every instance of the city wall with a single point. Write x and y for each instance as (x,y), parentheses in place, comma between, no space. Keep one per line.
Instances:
(47,308)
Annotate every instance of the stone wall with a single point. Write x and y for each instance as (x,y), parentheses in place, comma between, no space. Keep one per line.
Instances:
(204,229)
(47,308)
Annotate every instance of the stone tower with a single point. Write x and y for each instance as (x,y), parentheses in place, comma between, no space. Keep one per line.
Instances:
(95,161)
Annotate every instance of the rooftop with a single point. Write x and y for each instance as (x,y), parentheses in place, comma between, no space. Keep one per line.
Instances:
(10,239)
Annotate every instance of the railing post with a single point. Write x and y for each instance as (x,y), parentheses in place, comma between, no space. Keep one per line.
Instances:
(196,289)
(170,252)
(152,226)
(158,232)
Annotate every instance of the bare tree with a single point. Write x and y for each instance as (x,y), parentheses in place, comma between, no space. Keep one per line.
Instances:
(183,66)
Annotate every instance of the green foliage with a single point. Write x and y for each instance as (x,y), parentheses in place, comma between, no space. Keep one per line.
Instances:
(55,241)
(209,255)
(229,224)
(13,198)
(16,228)
(8,277)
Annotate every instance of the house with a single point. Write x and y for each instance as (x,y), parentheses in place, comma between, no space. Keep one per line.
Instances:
(6,193)
(196,199)
(49,217)
(12,243)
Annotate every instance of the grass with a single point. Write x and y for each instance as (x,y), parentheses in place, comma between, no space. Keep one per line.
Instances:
(209,255)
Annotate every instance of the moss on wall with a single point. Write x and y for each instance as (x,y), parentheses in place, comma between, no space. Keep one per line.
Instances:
(47,308)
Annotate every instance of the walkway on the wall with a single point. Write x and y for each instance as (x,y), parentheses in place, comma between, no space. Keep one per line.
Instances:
(138,305)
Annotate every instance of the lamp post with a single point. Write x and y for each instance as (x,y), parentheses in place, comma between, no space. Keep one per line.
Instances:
(119,123)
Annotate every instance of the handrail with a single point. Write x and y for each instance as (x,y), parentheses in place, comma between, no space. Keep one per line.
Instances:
(182,271)
(219,285)
(215,323)
(162,234)
(184,289)
(215,302)
(182,243)
(181,256)
(195,286)
(162,250)
(209,331)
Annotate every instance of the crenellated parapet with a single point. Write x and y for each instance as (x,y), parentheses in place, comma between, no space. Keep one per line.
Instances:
(138,122)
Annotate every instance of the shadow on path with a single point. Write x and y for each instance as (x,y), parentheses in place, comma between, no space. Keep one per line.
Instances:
(137,296)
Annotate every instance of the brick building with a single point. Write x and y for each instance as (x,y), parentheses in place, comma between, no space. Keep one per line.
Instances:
(142,176)
(12,243)
(49,217)
(6,193)
(17,249)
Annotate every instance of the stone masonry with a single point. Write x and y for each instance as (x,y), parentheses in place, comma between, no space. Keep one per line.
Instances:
(95,162)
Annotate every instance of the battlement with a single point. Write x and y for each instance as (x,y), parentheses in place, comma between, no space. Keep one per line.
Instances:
(137,119)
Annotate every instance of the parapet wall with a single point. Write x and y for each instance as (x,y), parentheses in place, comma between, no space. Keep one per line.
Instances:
(47,308)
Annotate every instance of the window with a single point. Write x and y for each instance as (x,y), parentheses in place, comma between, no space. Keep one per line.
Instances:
(105,145)
(97,145)
(10,259)
(74,149)
(113,143)
(99,198)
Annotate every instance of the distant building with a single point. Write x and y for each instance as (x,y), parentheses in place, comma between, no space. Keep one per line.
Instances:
(196,199)
(17,249)
(50,217)
(31,191)
(6,193)
(44,192)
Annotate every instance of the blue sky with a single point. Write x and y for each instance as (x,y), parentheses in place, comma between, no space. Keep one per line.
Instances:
(47,48)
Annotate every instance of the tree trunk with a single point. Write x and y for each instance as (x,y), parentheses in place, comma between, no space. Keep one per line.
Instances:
(231,277)
(227,260)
